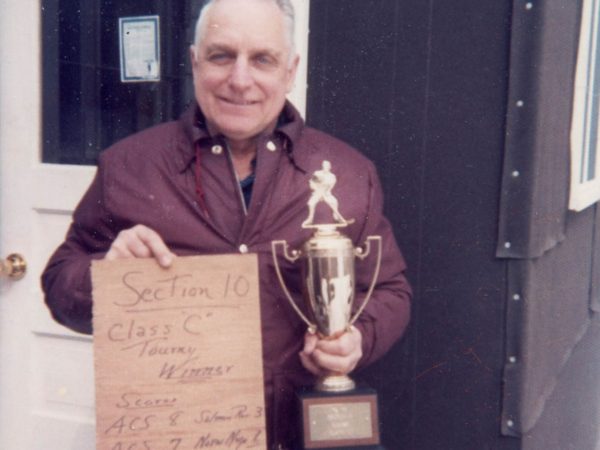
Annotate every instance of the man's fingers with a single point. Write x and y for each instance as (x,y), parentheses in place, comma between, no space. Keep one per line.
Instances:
(157,246)
(140,242)
(339,355)
(334,363)
(139,249)
(118,250)
(339,347)
(344,345)
(310,342)
(309,365)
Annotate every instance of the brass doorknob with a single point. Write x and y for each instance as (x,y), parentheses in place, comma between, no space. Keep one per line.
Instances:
(13,267)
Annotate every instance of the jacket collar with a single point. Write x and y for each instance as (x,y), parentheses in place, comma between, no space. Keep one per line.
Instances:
(289,130)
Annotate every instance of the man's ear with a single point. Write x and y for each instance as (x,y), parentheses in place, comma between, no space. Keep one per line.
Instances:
(193,55)
(291,73)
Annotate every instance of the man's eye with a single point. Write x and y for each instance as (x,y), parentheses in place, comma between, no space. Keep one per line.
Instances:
(265,60)
(219,57)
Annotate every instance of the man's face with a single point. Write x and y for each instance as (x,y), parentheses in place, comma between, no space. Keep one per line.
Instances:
(241,67)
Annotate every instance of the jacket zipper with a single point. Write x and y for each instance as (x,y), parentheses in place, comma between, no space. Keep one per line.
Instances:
(237,182)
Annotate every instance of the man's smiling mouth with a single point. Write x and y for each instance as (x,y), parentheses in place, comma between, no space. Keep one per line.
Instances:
(238,102)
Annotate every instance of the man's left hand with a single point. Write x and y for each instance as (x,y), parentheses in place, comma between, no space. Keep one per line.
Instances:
(340,355)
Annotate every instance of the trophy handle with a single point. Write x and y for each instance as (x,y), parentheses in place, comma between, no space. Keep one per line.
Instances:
(291,258)
(359,253)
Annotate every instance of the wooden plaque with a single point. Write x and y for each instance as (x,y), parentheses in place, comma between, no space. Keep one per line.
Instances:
(178,355)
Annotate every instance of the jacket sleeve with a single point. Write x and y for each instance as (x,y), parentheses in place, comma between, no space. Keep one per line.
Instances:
(386,316)
(66,280)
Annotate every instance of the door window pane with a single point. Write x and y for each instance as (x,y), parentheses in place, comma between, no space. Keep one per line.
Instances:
(86,106)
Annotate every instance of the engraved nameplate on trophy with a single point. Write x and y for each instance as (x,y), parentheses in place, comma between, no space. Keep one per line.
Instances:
(335,413)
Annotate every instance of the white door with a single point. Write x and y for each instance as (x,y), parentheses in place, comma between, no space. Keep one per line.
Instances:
(46,371)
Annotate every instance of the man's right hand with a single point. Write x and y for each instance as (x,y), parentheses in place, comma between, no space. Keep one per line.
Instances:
(140,242)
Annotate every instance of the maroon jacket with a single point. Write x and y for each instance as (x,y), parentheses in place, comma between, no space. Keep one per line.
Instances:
(149,179)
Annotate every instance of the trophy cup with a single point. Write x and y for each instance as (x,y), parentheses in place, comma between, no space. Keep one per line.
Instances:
(335,413)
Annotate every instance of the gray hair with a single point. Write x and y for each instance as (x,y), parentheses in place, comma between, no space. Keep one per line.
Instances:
(285,6)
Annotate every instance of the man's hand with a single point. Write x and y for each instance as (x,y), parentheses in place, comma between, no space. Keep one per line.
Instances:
(140,242)
(339,355)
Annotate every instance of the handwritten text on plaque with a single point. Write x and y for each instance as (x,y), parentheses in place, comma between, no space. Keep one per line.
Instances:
(178,356)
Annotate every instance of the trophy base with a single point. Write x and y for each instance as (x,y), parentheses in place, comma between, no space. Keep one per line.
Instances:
(335,383)
(339,420)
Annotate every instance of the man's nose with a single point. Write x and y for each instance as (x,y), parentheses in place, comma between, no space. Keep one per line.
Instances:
(241,76)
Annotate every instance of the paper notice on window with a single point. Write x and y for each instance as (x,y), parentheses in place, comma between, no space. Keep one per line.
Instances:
(178,357)
(139,41)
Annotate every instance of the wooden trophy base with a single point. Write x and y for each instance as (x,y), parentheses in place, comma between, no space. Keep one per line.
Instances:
(339,420)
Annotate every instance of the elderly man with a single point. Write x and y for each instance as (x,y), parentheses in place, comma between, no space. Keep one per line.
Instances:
(231,175)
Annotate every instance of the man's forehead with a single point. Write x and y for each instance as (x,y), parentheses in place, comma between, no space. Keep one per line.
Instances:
(244,9)
(245,26)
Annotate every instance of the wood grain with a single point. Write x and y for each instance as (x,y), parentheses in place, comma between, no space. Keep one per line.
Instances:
(178,357)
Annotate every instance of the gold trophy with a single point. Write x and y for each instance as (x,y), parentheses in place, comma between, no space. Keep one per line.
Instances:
(335,414)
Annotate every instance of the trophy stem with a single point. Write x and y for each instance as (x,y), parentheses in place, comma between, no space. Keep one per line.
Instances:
(335,383)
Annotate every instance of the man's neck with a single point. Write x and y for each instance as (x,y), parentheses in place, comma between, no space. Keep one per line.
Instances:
(242,155)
